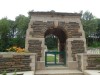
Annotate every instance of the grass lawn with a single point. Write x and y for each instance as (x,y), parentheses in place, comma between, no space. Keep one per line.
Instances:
(51,58)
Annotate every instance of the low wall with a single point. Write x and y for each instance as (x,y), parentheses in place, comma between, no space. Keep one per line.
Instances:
(10,61)
(88,61)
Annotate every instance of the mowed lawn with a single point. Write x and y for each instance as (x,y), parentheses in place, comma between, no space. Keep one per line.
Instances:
(51,58)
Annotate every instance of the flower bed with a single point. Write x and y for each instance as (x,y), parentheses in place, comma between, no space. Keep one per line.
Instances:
(15,49)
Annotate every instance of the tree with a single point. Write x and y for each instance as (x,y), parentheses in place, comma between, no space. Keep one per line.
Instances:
(21,23)
(98,29)
(51,41)
(13,32)
(89,23)
(4,33)
(87,16)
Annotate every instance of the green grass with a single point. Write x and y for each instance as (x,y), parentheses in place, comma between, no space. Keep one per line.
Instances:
(51,58)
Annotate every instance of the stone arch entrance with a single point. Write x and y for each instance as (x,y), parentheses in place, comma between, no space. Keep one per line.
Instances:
(58,32)
(44,23)
(61,50)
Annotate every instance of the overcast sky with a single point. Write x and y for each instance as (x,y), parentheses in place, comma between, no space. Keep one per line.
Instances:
(12,8)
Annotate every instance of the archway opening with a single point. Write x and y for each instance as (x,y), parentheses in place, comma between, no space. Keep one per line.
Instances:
(55,40)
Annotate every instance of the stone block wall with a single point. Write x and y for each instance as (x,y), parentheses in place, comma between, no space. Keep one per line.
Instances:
(40,22)
(88,61)
(80,62)
(35,47)
(72,29)
(17,61)
(39,28)
(93,62)
(77,47)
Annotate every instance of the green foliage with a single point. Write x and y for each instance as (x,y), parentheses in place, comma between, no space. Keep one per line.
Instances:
(87,16)
(4,33)
(21,23)
(98,29)
(89,23)
(52,42)
(15,72)
(4,72)
(97,60)
(95,44)
(91,26)
(13,32)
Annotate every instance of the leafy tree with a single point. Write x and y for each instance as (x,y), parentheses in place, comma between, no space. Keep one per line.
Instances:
(13,32)
(98,29)
(87,16)
(98,34)
(21,23)
(4,33)
(52,42)
(90,26)
(89,23)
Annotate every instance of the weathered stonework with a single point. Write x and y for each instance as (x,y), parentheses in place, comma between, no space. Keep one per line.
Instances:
(35,47)
(79,62)
(88,61)
(77,47)
(38,28)
(16,61)
(93,62)
(73,30)
(69,23)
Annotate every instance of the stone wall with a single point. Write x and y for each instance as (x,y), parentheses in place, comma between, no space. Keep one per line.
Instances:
(79,62)
(17,61)
(93,62)
(40,22)
(77,47)
(88,61)
(71,29)
(35,47)
(39,28)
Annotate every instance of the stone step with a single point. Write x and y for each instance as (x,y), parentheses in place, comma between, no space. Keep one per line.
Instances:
(56,68)
(58,72)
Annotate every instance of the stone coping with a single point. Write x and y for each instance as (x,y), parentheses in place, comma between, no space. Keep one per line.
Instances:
(15,53)
(24,73)
(54,13)
(92,72)
(86,54)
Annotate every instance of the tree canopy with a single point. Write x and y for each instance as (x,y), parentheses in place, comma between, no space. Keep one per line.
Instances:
(91,26)
(13,32)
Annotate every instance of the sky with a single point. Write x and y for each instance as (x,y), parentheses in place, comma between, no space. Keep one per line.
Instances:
(12,8)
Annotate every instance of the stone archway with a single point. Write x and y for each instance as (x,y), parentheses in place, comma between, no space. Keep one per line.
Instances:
(60,34)
(62,37)
(70,23)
